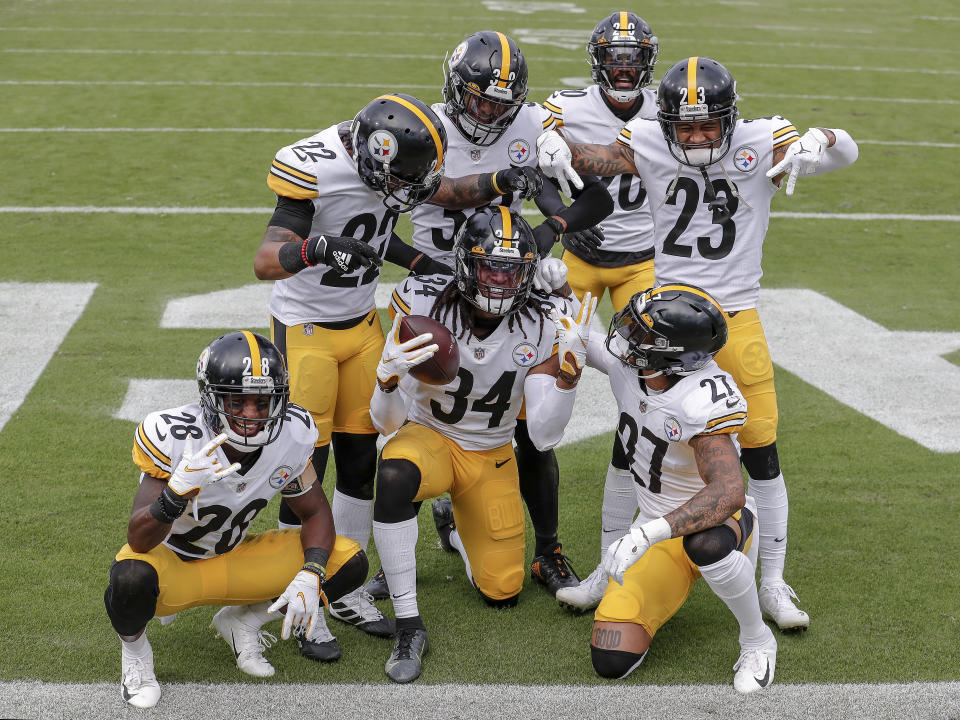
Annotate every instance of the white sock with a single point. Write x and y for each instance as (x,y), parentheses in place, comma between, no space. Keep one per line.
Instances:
(619,506)
(457,543)
(288,526)
(352,517)
(136,648)
(772,511)
(256,615)
(733,580)
(396,543)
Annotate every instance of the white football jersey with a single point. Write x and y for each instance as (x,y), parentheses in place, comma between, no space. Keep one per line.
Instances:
(319,168)
(225,508)
(434,227)
(654,431)
(479,409)
(692,244)
(583,117)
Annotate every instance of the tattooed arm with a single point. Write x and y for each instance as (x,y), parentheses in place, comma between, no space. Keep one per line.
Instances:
(603,160)
(469,191)
(723,494)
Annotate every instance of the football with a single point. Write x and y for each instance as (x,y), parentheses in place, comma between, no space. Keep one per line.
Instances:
(442,367)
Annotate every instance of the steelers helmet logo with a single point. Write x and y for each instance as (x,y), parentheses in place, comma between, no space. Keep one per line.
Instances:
(458,54)
(203,360)
(383,146)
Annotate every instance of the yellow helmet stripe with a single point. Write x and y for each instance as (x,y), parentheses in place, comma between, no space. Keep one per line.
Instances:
(686,288)
(424,119)
(507,222)
(504,60)
(692,80)
(624,22)
(254,353)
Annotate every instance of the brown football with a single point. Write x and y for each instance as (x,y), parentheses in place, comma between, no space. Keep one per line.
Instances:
(442,367)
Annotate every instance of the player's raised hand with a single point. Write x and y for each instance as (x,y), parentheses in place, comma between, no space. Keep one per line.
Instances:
(573,335)
(200,468)
(555,160)
(802,157)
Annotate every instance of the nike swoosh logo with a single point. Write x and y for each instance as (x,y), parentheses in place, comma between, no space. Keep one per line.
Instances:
(397,597)
(233,644)
(126,693)
(160,434)
(373,316)
(765,680)
(733,402)
(303,600)
(502,463)
(780,539)
(190,469)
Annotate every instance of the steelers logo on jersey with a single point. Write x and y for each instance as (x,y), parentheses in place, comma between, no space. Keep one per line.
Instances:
(518,150)
(524,354)
(745,159)
(281,476)
(672,429)
(383,145)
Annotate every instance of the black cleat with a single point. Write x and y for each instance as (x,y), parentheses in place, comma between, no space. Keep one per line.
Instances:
(376,586)
(356,608)
(406,660)
(443,519)
(322,645)
(553,570)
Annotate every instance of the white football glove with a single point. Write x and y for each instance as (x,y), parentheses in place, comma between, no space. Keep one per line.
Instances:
(398,358)
(803,157)
(551,275)
(302,598)
(573,335)
(199,469)
(554,157)
(623,553)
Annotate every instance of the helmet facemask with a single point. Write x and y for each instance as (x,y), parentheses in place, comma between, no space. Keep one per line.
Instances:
(497,285)
(609,60)
(226,407)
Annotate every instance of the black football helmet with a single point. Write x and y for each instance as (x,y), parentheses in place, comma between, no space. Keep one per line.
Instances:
(399,145)
(237,365)
(621,41)
(694,90)
(496,260)
(485,86)
(673,329)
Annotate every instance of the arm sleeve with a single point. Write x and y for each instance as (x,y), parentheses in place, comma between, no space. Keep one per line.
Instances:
(294,215)
(549,201)
(388,410)
(843,153)
(548,409)
(597,355)
(399,253)
(591,205)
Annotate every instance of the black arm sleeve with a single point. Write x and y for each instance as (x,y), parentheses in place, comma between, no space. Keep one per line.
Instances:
(399,253)
(590,206)
(294,215)
(549,201)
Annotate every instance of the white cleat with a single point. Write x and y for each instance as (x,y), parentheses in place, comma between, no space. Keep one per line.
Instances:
(166,619)
(138,684)
(776,603)
(241,630)
(755,667)
(587,594)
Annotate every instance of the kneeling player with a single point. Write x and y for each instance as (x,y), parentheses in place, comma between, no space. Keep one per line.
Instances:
(678,412)
(207,469)
(457,437)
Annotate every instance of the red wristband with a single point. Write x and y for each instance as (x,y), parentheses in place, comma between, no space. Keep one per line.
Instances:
(303,254)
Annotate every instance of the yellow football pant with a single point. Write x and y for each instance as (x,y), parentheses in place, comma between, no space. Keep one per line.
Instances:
(622,282)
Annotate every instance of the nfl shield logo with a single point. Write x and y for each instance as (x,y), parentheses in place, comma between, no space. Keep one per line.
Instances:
(308,329)
(479,352)
(475,155)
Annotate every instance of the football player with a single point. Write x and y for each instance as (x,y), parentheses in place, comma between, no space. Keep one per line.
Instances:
(622,53)
(206,470)
(711,178)
(456,438)
(678,413)
(339,194)
(490,125)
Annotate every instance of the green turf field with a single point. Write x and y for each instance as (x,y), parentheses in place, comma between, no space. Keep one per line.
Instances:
(181,105)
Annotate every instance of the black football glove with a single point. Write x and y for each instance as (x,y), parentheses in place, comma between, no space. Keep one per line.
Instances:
(525,181)
(426,265)
(546,234)
(343,254)
(585,241)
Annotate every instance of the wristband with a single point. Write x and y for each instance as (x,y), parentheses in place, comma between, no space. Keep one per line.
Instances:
(316,555)
(386,389)
(486,184)
(168,506)
(291,257)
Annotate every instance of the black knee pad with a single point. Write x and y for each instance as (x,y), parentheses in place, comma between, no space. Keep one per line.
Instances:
(348,578)
(286,515)
(762,463)
(503,604)
(614,664)
(709,546)
(131,596)
(356,459)
(398,481)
